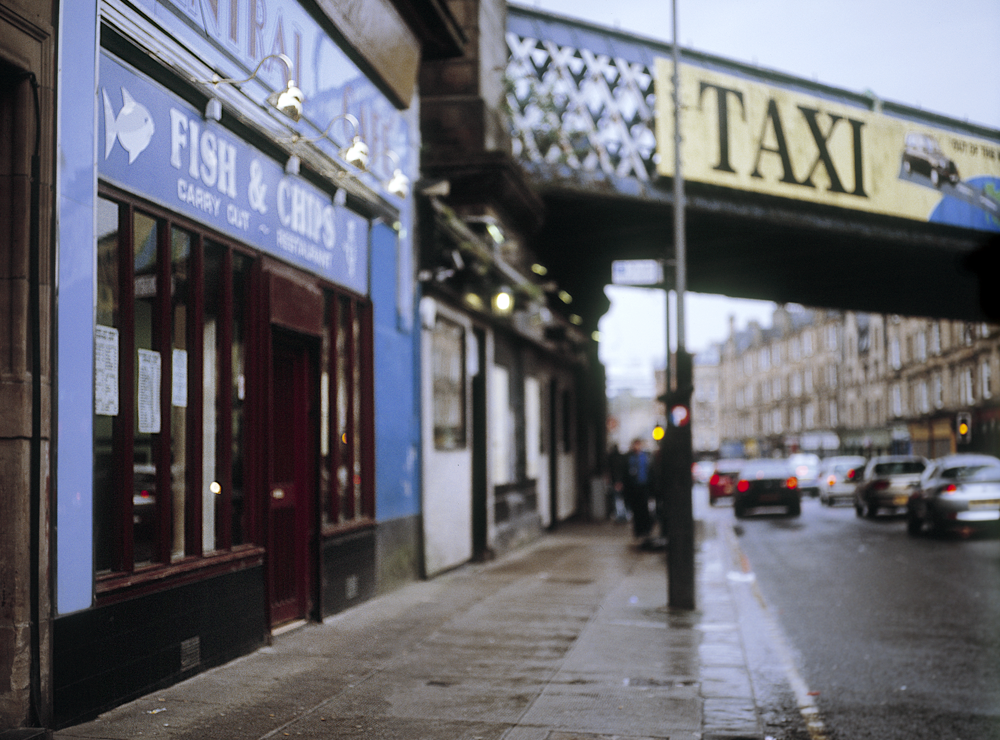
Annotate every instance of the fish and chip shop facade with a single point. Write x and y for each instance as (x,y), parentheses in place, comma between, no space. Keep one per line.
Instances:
(236,334)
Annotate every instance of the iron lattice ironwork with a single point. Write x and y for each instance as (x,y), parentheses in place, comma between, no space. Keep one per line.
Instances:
(580,113)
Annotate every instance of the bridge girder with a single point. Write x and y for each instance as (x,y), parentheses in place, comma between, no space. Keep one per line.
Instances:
(747,246)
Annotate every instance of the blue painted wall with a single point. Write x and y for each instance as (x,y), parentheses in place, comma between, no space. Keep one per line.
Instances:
(397,427)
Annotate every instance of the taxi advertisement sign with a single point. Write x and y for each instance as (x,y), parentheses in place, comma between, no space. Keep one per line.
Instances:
(739,133)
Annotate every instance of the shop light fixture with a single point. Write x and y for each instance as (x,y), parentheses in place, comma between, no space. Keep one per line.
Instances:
(503,301)
(288,101)
(398,184)
(355,154)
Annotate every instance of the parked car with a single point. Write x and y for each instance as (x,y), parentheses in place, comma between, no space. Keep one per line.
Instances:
(806,468)
(767,483)
(957,491)
(838,476)
(886,483)
(922,154)
(722,484)
(701,471)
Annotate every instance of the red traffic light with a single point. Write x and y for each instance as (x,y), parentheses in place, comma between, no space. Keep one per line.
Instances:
(680,416)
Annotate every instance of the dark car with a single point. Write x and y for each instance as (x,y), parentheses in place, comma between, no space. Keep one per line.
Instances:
(922,154)
(956,492)
(767,483)
(722,484)
(886,483)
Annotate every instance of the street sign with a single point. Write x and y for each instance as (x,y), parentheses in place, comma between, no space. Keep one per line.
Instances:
(637,272)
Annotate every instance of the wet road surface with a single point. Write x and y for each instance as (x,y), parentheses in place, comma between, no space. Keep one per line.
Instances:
(891,636)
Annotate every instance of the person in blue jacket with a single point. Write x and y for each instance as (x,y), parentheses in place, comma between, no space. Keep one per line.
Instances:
(637,487)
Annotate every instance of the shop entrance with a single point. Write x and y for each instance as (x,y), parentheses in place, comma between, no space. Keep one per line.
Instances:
(293,438)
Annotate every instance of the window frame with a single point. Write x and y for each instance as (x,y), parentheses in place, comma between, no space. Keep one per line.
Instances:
(126,577)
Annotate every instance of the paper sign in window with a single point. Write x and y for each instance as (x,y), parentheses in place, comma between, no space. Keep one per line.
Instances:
(179,393)
(149,392)
(105,371)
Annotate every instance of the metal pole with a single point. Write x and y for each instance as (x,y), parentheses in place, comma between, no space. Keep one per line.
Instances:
(680,525)
(680,251)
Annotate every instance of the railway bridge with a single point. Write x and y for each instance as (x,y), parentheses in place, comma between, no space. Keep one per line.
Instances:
(795,191)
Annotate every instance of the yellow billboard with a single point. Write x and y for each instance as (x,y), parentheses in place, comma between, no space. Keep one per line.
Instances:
(739,133)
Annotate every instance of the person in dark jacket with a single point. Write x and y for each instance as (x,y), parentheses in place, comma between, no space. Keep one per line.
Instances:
(636,485)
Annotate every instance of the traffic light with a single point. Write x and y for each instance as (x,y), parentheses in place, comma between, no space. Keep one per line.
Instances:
(680,415)
(658,432)
(963,425)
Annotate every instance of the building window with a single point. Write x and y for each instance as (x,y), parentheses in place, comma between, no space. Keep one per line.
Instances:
(923,399)
(921,349)
(938,390)
(894,355)
(966,391)
(765,358)
(776,355)
(807,343)
(776,425)
(897,401)
(448,376)
(936,338)
(810,418)
(832,413)
(984,377)
(807,381)
(968,333)
(346,486)
(831,337)
(170,385)
(796,419)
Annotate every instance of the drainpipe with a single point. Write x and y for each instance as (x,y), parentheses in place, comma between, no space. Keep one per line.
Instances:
(39,714)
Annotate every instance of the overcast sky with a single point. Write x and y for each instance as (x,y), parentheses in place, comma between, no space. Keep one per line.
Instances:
(939,55)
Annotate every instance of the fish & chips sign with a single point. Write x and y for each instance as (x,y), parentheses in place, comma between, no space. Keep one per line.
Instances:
(161,148)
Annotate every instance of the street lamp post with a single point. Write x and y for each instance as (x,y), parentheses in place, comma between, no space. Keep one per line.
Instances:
(678,458)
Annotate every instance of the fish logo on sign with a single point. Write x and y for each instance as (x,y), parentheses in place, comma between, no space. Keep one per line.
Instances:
(133,126)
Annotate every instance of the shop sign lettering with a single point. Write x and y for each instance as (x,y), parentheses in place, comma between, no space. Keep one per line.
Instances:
(160,148)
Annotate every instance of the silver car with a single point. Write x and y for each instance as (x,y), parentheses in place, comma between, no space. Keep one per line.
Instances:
(887,483)
(956,492)
(838,477)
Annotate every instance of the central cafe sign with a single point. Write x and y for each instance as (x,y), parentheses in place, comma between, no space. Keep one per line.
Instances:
(741,134)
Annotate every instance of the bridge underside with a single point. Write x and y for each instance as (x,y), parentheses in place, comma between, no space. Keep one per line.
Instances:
(760,247)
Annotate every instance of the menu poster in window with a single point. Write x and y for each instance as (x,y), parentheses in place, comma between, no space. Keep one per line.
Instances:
(105,371)
(180,375)
(149,392)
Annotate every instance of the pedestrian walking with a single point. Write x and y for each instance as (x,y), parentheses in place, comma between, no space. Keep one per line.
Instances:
(636,486)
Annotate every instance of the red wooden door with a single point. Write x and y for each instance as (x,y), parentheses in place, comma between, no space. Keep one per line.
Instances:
(292,445)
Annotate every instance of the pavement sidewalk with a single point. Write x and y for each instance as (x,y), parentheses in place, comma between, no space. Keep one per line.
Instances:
(566,639)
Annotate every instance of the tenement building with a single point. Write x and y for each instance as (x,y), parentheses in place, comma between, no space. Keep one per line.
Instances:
(834,382)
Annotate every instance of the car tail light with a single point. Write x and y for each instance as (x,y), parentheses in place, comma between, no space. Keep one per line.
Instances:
(880,485)
(145,494)
(714,480)
(852,474)
(950,488)
(792,482)
(743,486)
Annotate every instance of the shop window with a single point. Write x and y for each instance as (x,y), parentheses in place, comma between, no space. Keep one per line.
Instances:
(346,408)
(448,376)
(169,392)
